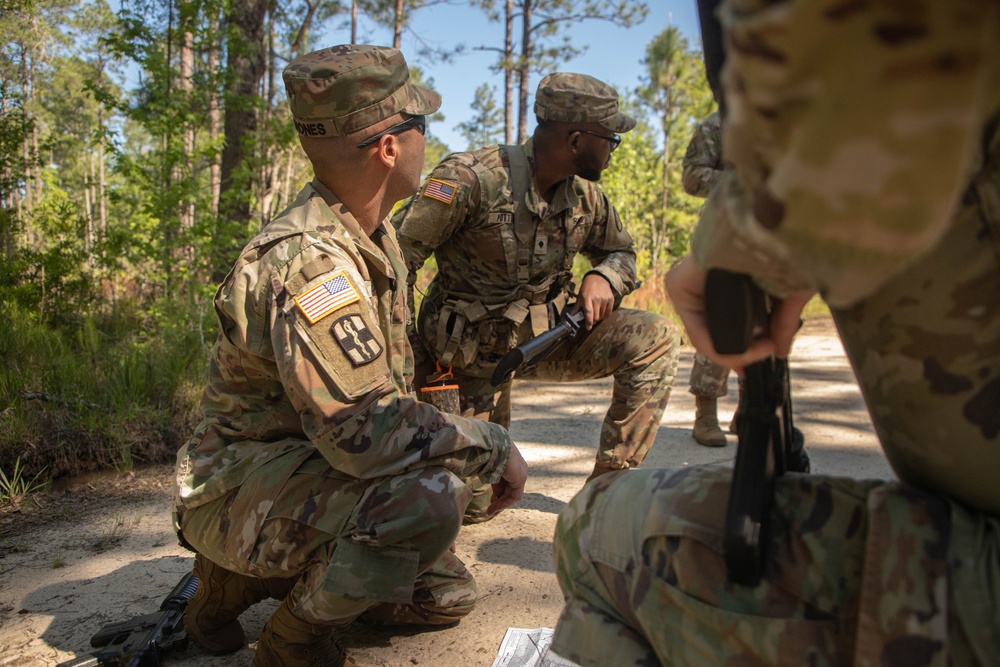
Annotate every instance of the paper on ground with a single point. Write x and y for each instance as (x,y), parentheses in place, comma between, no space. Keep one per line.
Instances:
(522,647)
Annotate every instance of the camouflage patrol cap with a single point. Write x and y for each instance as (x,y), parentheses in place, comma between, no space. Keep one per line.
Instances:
(343,89)
(578,98)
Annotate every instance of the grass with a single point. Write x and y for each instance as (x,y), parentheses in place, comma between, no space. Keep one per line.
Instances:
(114,389)
(17,486)
(119,528)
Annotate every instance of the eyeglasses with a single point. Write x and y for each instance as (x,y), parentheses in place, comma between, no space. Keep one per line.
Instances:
(417,122)
(614,139)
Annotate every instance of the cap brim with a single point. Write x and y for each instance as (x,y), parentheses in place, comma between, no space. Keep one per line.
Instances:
(424,102)
(619,123)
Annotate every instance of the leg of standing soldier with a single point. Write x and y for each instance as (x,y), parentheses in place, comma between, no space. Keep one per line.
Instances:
(708,384)
(640,349)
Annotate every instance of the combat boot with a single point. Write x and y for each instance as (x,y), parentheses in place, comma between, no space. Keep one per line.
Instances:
(288,641)
(706,423)
(211,618)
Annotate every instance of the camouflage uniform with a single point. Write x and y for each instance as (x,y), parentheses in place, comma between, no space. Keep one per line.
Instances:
(499,282)
(702,169)
(865,140)
(312,461)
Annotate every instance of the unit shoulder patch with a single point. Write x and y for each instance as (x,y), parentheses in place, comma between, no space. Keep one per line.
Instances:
(443,191)
(327,297)
(357,340)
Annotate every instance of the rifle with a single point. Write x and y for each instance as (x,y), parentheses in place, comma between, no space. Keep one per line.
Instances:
(737,311)
(141,641)
(535,349)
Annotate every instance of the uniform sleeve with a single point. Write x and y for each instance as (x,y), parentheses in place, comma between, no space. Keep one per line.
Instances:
(441,206)
(702,163)
(851,148)
(332,360)
(609,248)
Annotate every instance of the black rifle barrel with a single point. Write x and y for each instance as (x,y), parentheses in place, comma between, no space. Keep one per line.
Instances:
(534,349)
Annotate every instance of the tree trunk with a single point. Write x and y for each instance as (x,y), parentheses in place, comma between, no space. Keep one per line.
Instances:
(523,68)
(214,112)
(245,65)
(354,21)
(102,208)
(269,165)
(25,134)
(302,35)
(508,74)
(186,85)
(88,200)
(397,25)
(36,167)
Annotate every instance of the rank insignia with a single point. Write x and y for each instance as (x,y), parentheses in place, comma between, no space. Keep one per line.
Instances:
(440,190)
(323,299)
(357,340)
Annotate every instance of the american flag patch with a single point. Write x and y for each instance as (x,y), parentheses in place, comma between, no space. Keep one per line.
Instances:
(440,190)
(322,300)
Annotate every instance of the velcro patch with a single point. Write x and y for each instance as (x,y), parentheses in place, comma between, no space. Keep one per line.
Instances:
(357,340)
(327,297)
(442,191)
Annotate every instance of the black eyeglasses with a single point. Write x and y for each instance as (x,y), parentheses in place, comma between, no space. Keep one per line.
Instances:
(418,122)
(614,139)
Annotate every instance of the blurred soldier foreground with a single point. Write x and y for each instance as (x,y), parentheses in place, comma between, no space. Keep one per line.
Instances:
(314,477)
(866,152)
(505,224)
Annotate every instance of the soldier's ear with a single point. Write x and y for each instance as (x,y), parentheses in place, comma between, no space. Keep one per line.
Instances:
(388,150)
(573,141)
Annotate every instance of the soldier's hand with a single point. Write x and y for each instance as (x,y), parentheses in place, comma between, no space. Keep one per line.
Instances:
(595,298)
(510,488)
(686,285)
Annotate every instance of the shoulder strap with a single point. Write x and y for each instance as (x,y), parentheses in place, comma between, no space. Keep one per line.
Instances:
(524,227)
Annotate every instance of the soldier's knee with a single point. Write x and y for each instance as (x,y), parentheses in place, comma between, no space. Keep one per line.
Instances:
(427,514)
(651,335)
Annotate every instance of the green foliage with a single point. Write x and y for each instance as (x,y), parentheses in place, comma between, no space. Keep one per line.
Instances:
(109,231)
(486,127)
(119,386)
(15,487)
(632,184)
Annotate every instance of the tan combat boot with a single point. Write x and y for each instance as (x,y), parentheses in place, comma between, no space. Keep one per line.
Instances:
(211,618)
(706,423)
(288,641)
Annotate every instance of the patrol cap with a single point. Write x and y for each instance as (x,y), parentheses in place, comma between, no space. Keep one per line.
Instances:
(343,89)
(579,98)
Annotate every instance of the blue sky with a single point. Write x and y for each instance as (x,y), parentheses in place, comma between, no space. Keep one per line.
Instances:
(614,54)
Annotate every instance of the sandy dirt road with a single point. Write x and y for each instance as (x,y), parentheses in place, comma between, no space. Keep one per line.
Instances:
(74,561)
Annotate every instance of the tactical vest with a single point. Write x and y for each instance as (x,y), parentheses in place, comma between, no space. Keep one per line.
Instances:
(539,303)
